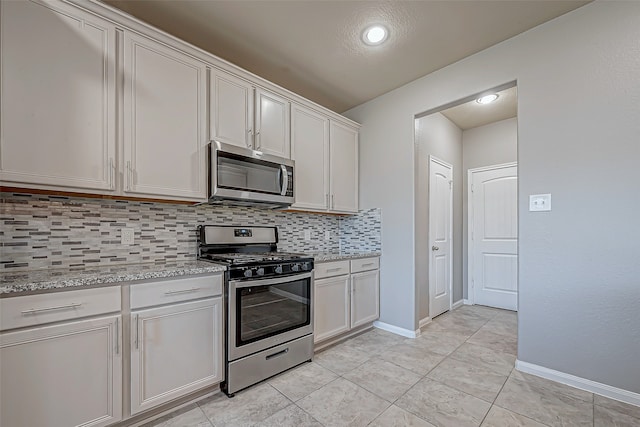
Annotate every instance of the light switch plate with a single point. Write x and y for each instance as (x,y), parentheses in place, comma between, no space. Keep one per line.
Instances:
(327,235)
(127,236)
(307,234)
(539,202)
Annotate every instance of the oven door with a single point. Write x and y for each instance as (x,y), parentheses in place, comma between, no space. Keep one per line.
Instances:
(264,313)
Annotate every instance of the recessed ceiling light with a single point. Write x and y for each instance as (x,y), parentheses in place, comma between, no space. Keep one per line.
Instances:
(487,99)
(374,35)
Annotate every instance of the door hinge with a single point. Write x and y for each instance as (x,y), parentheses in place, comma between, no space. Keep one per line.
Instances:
(472,188)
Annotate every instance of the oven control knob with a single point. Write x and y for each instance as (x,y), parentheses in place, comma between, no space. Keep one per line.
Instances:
(260,271)
(278,269)
(248,273)
(306,266)
(295,267)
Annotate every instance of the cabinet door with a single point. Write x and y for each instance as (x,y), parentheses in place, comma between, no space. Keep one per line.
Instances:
(64,375)
(175,350)
(344,168)
(272,124)
(365,297)
(58,97)
(310,150)
(164,121)
(331,308)
(231,109)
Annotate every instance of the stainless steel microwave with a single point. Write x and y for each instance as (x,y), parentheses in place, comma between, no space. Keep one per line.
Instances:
(241,176)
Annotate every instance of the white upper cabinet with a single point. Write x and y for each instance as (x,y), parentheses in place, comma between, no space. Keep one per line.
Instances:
(344,168)
(58,97)
(272,124)
(231,109)
(249,117)
(164,121)
(310,151)
(326,156)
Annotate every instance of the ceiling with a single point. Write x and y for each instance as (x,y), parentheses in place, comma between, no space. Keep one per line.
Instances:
(314,47)
(472,114)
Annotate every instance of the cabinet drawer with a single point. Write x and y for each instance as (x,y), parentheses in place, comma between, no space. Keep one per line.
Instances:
(365,264)
(175,290)
(330,269)
(30,310)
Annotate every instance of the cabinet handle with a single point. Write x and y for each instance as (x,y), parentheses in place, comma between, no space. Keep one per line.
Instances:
(182,291)
(327,197)
(258,143)
(117,335)
(367,264)
(58,307)
(129,175)
(111,173)
(137,329)
(334,269)
(333,201)
(249,137)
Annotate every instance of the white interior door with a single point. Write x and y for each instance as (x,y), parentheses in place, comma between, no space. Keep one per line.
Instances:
(493,226)
(440,233)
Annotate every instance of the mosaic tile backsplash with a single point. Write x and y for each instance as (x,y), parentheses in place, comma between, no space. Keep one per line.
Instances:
(56,232)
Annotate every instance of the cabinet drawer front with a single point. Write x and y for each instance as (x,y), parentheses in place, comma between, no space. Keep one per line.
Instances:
(175,290)
(365,264)
(32,310)
(330,269)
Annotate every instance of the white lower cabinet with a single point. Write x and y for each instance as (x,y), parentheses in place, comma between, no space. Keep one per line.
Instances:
(63,375)
(347,295)
(175,349)
(365,297)
(331,309)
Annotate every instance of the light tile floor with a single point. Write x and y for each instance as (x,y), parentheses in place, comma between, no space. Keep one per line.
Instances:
(459,372)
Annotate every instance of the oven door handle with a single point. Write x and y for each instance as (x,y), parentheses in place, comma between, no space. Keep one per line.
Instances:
(266,282)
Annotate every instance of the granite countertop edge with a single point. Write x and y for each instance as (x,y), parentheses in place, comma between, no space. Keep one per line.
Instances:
(37,281)
(337,256)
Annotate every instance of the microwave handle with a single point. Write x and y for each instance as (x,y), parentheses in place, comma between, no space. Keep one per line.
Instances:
(284,179)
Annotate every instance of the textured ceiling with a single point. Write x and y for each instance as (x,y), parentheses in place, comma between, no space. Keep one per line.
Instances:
(314,47)
(471,114)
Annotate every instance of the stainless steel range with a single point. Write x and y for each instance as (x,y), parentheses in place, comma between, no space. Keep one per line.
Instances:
(268,303)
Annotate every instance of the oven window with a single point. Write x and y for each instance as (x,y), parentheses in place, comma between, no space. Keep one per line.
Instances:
(265,311)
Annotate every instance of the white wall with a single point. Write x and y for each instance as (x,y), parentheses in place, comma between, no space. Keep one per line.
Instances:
(492,144)
(578,127)
(436,135)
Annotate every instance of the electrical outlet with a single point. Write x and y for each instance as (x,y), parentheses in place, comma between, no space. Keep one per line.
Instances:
(327,235)
(539,202)
(127,236)
(307,234)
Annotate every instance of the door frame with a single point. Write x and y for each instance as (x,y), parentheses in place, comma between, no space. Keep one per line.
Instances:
(433,159)
(471,294)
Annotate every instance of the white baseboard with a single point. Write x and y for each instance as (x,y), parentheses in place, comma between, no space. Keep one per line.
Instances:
(424,322)
(467,302)
(457,304)
(396,330)
(581,383)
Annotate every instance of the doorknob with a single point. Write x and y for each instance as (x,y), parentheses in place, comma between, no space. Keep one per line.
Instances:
(435,248)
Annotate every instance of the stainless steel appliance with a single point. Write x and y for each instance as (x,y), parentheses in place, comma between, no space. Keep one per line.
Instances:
(268,303)
(246,177)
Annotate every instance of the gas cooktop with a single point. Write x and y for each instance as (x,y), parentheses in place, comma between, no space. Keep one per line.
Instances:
(252,258)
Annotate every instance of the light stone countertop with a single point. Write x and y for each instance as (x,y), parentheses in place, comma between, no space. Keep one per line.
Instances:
(47,280)
(339,256)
